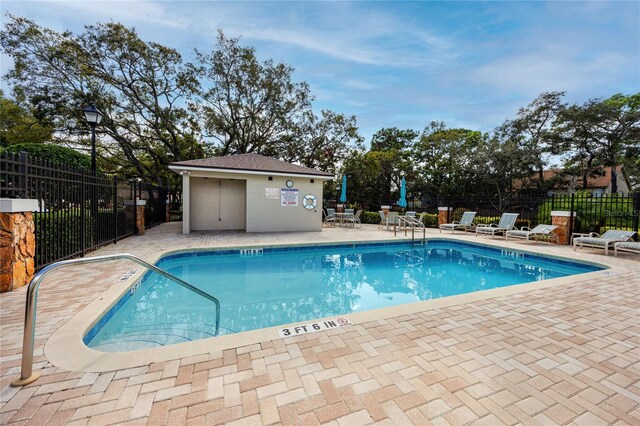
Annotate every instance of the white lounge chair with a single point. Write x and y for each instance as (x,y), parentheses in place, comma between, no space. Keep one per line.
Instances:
(629,246)
(605,241)
(527,234)
(465,223)
(507,223)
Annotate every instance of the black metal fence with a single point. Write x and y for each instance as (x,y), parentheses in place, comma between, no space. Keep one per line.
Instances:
(588,213)
(78,211)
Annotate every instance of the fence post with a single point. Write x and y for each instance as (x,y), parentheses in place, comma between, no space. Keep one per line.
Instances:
(636,210)
(553,202)
(571,221)
(83,195)
(24,169)
(115,209)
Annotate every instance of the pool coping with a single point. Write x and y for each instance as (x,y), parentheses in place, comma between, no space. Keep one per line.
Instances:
(66,348)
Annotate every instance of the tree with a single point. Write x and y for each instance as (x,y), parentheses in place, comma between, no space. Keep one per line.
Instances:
(323,142)
(393,138)
(18,125)
(532,130)
(444,159)
(498,168)
(574,130)
(618,130)
(602,133)
(139,86)
(248,106)
(372,175)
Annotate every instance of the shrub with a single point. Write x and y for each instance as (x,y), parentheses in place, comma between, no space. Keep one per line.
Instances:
(58,232)
(430,220)
(54,153)
(370,217)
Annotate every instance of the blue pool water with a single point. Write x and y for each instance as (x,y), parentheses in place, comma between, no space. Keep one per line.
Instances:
(281,286)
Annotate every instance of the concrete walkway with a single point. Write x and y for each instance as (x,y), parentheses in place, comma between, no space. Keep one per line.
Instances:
(561,355)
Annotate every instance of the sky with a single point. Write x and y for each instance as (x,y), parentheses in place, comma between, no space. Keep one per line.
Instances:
(403,63)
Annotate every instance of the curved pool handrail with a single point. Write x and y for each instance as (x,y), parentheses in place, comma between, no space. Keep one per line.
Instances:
(26,373)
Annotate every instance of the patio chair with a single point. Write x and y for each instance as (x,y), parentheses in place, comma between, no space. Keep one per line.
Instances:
(528,234)
(383,219)
(410,214)
(629,246)
(354,219)
(466,223)
(605,241)
(507,223)
(330,217)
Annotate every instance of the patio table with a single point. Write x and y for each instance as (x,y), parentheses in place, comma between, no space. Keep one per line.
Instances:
(342,216)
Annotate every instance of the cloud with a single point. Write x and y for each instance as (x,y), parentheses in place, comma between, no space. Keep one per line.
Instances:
(400,64)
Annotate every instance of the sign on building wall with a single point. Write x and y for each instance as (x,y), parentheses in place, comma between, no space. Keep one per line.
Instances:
(288,197)
(272,193)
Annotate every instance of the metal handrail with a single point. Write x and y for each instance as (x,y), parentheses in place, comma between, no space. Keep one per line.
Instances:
(26,373)
(414,223)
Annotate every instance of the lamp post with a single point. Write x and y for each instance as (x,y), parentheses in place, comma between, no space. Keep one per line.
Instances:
(93,117)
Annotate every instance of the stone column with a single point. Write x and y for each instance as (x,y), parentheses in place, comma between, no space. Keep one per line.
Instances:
(17,243)
(562,219)
(167,210)
(443,215)
(139,214)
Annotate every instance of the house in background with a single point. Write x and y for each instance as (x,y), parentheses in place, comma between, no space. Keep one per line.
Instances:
(250,192)
(598,185)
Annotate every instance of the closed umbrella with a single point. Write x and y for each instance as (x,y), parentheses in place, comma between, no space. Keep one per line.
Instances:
(343,193)
(402,202)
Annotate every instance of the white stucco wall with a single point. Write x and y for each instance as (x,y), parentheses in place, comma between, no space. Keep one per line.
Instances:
(268,216)
(258,214)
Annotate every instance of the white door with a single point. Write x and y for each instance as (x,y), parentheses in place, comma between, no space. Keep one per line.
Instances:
(217,204)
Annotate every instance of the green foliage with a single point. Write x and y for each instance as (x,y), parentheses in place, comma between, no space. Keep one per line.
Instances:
(140,87)
(370,217)
(393,139)
(59,231)
(444,159)
(18,125)
(53,153)
(249,106)
(430,220)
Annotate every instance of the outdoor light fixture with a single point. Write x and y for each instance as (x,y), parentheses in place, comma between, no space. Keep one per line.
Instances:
(93,117)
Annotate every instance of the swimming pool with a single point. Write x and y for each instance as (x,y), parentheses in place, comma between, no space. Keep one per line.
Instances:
(261,288)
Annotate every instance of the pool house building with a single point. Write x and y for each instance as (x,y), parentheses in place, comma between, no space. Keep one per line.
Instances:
(250,192)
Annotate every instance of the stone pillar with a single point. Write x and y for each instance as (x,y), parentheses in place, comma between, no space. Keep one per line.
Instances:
(167,210)
(17,243)
(139,214)
(562,219)
(443,215)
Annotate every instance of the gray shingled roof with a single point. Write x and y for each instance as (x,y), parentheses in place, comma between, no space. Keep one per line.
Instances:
(252,162)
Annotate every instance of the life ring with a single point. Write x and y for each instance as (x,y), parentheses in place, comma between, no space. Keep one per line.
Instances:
(309,202)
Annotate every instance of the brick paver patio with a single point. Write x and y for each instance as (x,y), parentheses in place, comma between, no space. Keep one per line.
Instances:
(562,355)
